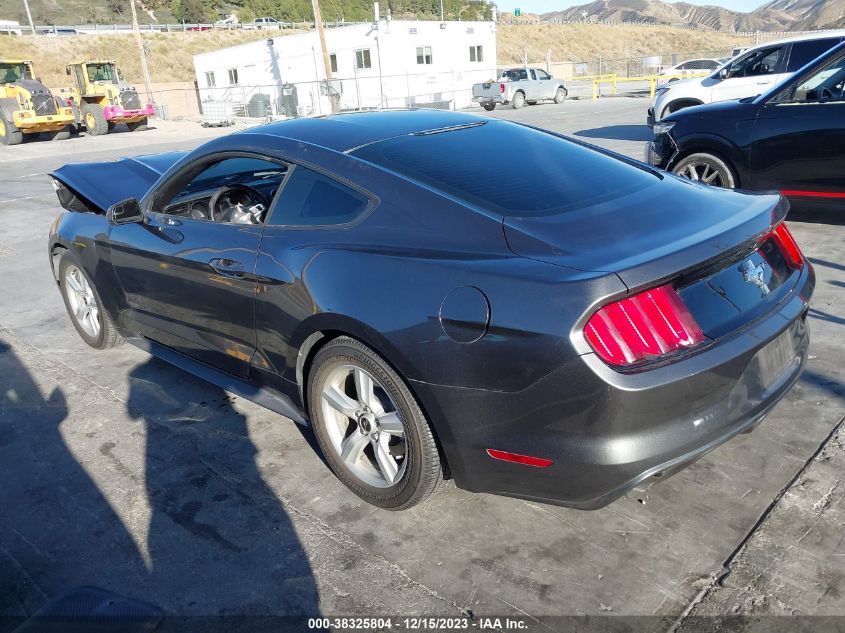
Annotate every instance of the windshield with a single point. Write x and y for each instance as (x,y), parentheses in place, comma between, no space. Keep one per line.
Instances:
(10,73)
(102,72)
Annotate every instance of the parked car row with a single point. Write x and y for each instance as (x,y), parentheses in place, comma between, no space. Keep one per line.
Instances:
(787,137)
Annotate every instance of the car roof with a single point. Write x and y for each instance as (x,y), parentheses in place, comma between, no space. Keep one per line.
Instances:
(820,35)
(348,131)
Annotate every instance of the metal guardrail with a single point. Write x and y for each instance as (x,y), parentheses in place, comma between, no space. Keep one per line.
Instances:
(106,29)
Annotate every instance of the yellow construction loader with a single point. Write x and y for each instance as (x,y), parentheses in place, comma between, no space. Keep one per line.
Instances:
(27,106)
(102,99)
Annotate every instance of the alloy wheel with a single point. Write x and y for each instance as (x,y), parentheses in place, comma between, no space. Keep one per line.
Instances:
(83,303)
(702,172)
(364,426)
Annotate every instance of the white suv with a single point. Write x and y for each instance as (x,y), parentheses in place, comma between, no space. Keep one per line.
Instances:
(750,73)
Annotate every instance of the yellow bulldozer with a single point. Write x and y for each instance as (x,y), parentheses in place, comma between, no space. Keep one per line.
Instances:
(101,98)
(27,106)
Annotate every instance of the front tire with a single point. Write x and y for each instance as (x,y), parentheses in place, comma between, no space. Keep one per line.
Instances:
(9,134)
(95,120)
(370,428)
(518,100)
(137,125)
(84,306)
(706,169)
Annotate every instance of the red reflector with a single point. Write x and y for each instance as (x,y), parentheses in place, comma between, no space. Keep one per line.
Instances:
(525,460)
(502,88)
(788,246)
(647,325)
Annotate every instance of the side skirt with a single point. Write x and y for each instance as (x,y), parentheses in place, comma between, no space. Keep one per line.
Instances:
(262,396)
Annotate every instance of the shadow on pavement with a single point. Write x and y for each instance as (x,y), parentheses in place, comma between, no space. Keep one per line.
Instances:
(218,547)
(619,133)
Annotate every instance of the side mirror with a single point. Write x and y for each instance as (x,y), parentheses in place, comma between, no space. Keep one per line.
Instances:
(724,73)
(125,212)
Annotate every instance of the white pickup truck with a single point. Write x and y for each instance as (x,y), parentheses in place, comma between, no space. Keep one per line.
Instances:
(518,86)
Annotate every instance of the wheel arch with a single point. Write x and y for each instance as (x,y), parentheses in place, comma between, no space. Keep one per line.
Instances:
(719,148)
(687,102)
(339,325)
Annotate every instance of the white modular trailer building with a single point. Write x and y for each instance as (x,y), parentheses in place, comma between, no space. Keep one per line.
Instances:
(387,64)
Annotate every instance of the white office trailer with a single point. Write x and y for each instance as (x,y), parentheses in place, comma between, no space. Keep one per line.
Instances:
(386,64)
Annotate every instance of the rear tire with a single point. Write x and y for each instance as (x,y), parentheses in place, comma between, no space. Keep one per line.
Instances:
(489,106)
(138,125)
(518,100)
(560,95)
(9,134)
(60,135)
(94,119)
(391,458)
(83,304)
(706,169)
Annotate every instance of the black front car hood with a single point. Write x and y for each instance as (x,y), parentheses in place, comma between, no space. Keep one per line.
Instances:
(648,235)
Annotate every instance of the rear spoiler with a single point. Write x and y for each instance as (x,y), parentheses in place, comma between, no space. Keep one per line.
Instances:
(96,186)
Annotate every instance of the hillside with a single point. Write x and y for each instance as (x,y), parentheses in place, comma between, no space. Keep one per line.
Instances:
(779,15)
(170,54)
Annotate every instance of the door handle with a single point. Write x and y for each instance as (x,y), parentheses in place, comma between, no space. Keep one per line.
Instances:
(228,267)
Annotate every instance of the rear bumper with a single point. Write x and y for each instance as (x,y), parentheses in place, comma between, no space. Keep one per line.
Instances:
(496,99)
(118,114)
(605,431)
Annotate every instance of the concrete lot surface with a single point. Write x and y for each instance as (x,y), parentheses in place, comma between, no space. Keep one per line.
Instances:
(122,472)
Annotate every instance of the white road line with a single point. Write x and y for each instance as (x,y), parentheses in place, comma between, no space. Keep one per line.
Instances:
(43,195)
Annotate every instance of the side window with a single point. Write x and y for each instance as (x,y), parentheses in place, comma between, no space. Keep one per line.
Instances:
(190,194)
(805,52)
(533,76)
(311,199)
(523,74)
(762,62)
(542,74)
(827,84)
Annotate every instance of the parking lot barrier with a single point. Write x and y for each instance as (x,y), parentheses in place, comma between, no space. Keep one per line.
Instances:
(652,80)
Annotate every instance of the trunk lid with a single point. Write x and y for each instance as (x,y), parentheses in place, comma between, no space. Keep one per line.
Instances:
(707,242)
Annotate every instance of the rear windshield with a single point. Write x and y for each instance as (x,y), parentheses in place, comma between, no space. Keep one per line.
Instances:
(512,170)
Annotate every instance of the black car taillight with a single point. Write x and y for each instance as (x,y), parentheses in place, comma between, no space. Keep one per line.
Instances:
(645,326)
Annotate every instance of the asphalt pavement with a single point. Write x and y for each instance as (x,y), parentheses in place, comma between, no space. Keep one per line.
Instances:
(121,472)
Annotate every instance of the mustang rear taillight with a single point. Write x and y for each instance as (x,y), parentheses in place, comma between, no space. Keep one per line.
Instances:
(646,326)
(783,238)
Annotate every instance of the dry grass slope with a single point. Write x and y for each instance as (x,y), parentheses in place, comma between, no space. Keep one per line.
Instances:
(584,42)
(171,54)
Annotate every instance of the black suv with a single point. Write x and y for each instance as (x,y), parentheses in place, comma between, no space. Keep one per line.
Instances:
(790,139)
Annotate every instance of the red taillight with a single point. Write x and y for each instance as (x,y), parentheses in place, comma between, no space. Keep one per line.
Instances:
(525,460)
(787,245)
(647,325)
(502,88)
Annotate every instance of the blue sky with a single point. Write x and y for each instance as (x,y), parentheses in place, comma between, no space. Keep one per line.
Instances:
(544,6)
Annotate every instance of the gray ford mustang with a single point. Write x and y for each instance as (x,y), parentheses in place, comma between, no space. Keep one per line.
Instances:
(554,322)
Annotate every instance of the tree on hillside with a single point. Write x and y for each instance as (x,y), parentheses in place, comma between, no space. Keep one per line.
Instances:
(188,10)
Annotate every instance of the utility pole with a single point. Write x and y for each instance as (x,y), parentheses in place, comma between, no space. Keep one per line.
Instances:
(318,21)
(441,11)
(29,16)
(142,52)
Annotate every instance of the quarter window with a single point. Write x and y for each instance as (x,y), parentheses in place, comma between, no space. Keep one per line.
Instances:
(210,79)
(312,199)
(424,55)
(233,76)
(362,59)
